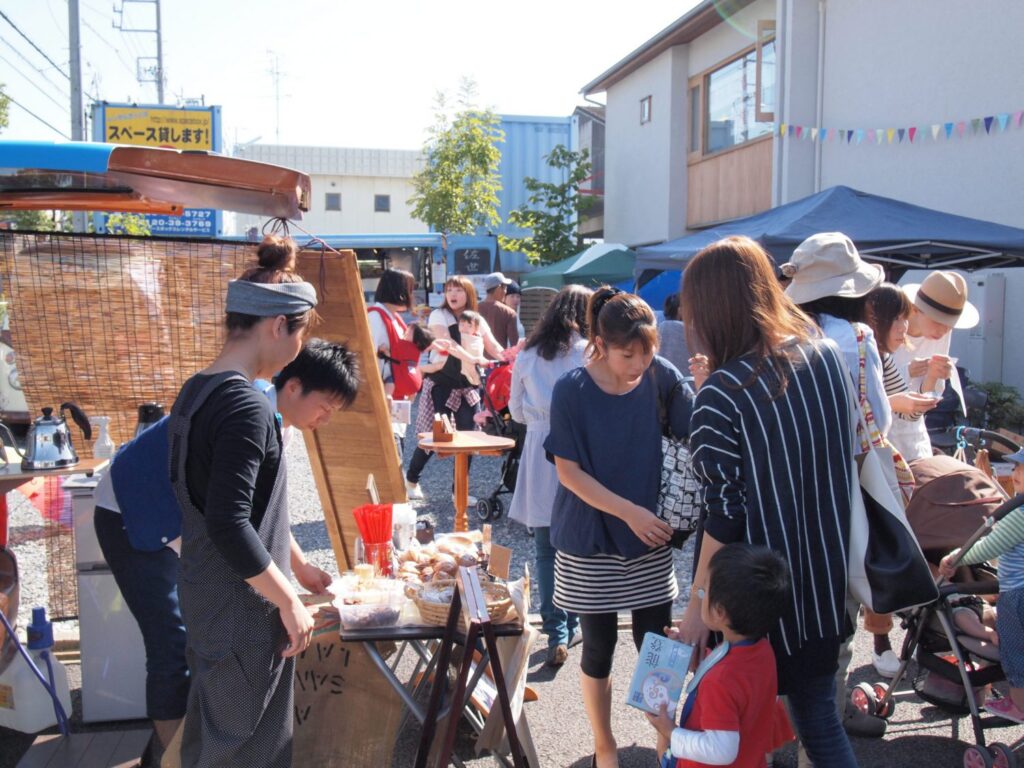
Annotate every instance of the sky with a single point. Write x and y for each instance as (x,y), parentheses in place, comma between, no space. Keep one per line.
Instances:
(353,74)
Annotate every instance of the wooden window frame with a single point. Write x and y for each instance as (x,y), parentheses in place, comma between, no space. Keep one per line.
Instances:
(695,83)
(765,35)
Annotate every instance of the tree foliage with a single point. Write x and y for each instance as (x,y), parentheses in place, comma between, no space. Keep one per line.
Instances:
(127,224)
(457,190)
(553,211)
(5,105)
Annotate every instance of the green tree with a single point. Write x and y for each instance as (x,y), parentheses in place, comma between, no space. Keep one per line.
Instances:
(457,190)
(127,224)
(34,221)
(552,211)
(5,105)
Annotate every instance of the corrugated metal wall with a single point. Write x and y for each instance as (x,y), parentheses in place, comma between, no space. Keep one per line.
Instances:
(528,140)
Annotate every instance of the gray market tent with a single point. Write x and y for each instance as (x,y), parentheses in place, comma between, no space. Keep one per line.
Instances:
(599,264)
(896,234)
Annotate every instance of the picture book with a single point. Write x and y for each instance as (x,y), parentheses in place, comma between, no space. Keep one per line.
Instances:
(660,674)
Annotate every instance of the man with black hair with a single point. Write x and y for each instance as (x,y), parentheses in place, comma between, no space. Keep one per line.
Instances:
(732,706)
(138,525)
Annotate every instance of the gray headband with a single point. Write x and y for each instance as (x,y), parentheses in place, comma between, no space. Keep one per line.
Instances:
(269,299)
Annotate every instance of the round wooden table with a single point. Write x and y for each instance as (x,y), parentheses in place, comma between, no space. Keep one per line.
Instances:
(463,445)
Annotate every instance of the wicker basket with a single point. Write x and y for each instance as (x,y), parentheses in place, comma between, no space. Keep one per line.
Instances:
(499,603)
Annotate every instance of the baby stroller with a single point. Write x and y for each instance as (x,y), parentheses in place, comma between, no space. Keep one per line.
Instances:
(496,393)
(953,506)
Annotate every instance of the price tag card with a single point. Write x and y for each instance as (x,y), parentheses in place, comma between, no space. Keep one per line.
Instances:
(500,562)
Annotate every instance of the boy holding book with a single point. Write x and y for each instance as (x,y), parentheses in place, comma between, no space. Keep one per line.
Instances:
(731,710)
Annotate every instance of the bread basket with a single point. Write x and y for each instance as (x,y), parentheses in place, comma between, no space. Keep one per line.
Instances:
(435,612)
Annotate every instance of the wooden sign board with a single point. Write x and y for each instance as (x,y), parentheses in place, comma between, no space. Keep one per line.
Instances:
(346,713)
(358,440)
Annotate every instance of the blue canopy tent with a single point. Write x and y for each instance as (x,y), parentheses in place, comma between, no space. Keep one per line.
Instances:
(898,235)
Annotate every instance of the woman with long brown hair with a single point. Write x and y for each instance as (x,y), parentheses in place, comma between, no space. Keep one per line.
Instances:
(772,441)
(445,389)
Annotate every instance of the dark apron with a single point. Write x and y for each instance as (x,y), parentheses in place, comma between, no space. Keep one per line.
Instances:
(240,701)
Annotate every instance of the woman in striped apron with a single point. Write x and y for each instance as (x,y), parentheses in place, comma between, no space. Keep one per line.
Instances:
(244,621)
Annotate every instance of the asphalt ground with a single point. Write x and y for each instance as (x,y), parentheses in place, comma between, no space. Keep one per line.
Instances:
(919,734)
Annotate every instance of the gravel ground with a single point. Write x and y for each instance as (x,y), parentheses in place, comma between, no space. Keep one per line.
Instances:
(919,734)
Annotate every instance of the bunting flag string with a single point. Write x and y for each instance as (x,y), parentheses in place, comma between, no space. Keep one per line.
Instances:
(945,131)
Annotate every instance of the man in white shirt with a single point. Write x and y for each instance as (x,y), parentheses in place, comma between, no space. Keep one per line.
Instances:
(940,305)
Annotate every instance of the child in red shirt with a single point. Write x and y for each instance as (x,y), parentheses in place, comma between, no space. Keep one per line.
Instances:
(731,708)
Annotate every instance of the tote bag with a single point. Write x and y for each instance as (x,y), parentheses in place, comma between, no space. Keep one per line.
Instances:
(679,502)
(887,571)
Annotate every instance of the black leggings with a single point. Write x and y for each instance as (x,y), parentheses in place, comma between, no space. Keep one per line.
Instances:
(601,631)
(463,419)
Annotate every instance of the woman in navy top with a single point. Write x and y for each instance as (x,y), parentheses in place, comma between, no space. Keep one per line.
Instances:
(605,440)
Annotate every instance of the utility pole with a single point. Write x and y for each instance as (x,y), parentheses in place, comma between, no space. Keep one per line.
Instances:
(152,72)
(276,73)
(77,113)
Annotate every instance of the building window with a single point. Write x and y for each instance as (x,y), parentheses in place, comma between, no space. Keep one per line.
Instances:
(733,102)
(382,203)
(765,89)
(694,119)
(333,201)
(645,110)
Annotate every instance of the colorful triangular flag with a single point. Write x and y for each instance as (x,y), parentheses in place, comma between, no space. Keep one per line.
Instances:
(900,132)
(782,129)
(890,134)
(975,124)
(1018,116)
(949,130)
(1003,119)
(911,133)
(814,134)
(961,127)
(935,131)
(860,135)
(988,124)
(799,131)
(880,135)
(849,136)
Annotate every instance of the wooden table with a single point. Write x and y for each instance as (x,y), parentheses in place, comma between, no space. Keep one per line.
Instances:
(463,445)
(12,475)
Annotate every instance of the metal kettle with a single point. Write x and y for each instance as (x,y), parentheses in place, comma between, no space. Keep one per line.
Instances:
(48,443)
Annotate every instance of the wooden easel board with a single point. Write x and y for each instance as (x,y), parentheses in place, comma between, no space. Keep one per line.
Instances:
(357,441)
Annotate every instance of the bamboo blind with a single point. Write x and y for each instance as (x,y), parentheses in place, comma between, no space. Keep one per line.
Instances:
(111,322)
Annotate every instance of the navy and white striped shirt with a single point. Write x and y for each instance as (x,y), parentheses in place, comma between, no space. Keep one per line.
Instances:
(777,473)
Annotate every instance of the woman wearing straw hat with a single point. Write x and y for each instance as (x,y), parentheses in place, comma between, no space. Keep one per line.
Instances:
(244,621)
(939,305)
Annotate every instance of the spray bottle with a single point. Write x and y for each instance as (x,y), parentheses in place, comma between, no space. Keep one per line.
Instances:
(103,448)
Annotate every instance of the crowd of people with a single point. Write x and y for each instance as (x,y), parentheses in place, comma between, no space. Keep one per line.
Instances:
(790,373)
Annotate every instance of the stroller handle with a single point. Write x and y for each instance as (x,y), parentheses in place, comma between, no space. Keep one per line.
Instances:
(976,434)
(997,514)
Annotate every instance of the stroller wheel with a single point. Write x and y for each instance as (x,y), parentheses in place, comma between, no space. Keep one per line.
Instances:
(497,508)
(864,698)
(883,711)
(978,757)
(1003,756)
(483,509)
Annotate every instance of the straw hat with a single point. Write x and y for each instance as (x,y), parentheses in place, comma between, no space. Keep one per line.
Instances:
(943,298)
(827,264)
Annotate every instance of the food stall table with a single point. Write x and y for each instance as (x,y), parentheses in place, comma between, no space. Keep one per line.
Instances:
(463,445)
(12,476)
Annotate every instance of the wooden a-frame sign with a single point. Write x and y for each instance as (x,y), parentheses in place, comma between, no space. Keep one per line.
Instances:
(357,441)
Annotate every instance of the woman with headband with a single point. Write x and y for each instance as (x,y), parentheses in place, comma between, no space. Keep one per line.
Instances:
(244,621)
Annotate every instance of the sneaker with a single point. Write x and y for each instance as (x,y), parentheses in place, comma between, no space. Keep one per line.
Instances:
(413,491)
(886,663)
(557,654)
(857,723)
(1005,708)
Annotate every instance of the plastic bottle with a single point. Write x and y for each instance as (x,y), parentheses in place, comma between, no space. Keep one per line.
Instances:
(403,520)
(25,705)
(103,448)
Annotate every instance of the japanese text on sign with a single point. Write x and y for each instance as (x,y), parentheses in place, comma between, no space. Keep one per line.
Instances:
(171,128)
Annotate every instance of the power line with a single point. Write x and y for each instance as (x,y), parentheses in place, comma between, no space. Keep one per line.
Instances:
(28,61)
(29,41)
(16,103)
(33,83)
(114,48)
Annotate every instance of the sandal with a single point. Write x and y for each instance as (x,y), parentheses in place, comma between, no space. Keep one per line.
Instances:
(1004,708)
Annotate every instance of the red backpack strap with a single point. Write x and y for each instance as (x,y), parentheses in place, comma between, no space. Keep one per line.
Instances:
(389,325)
